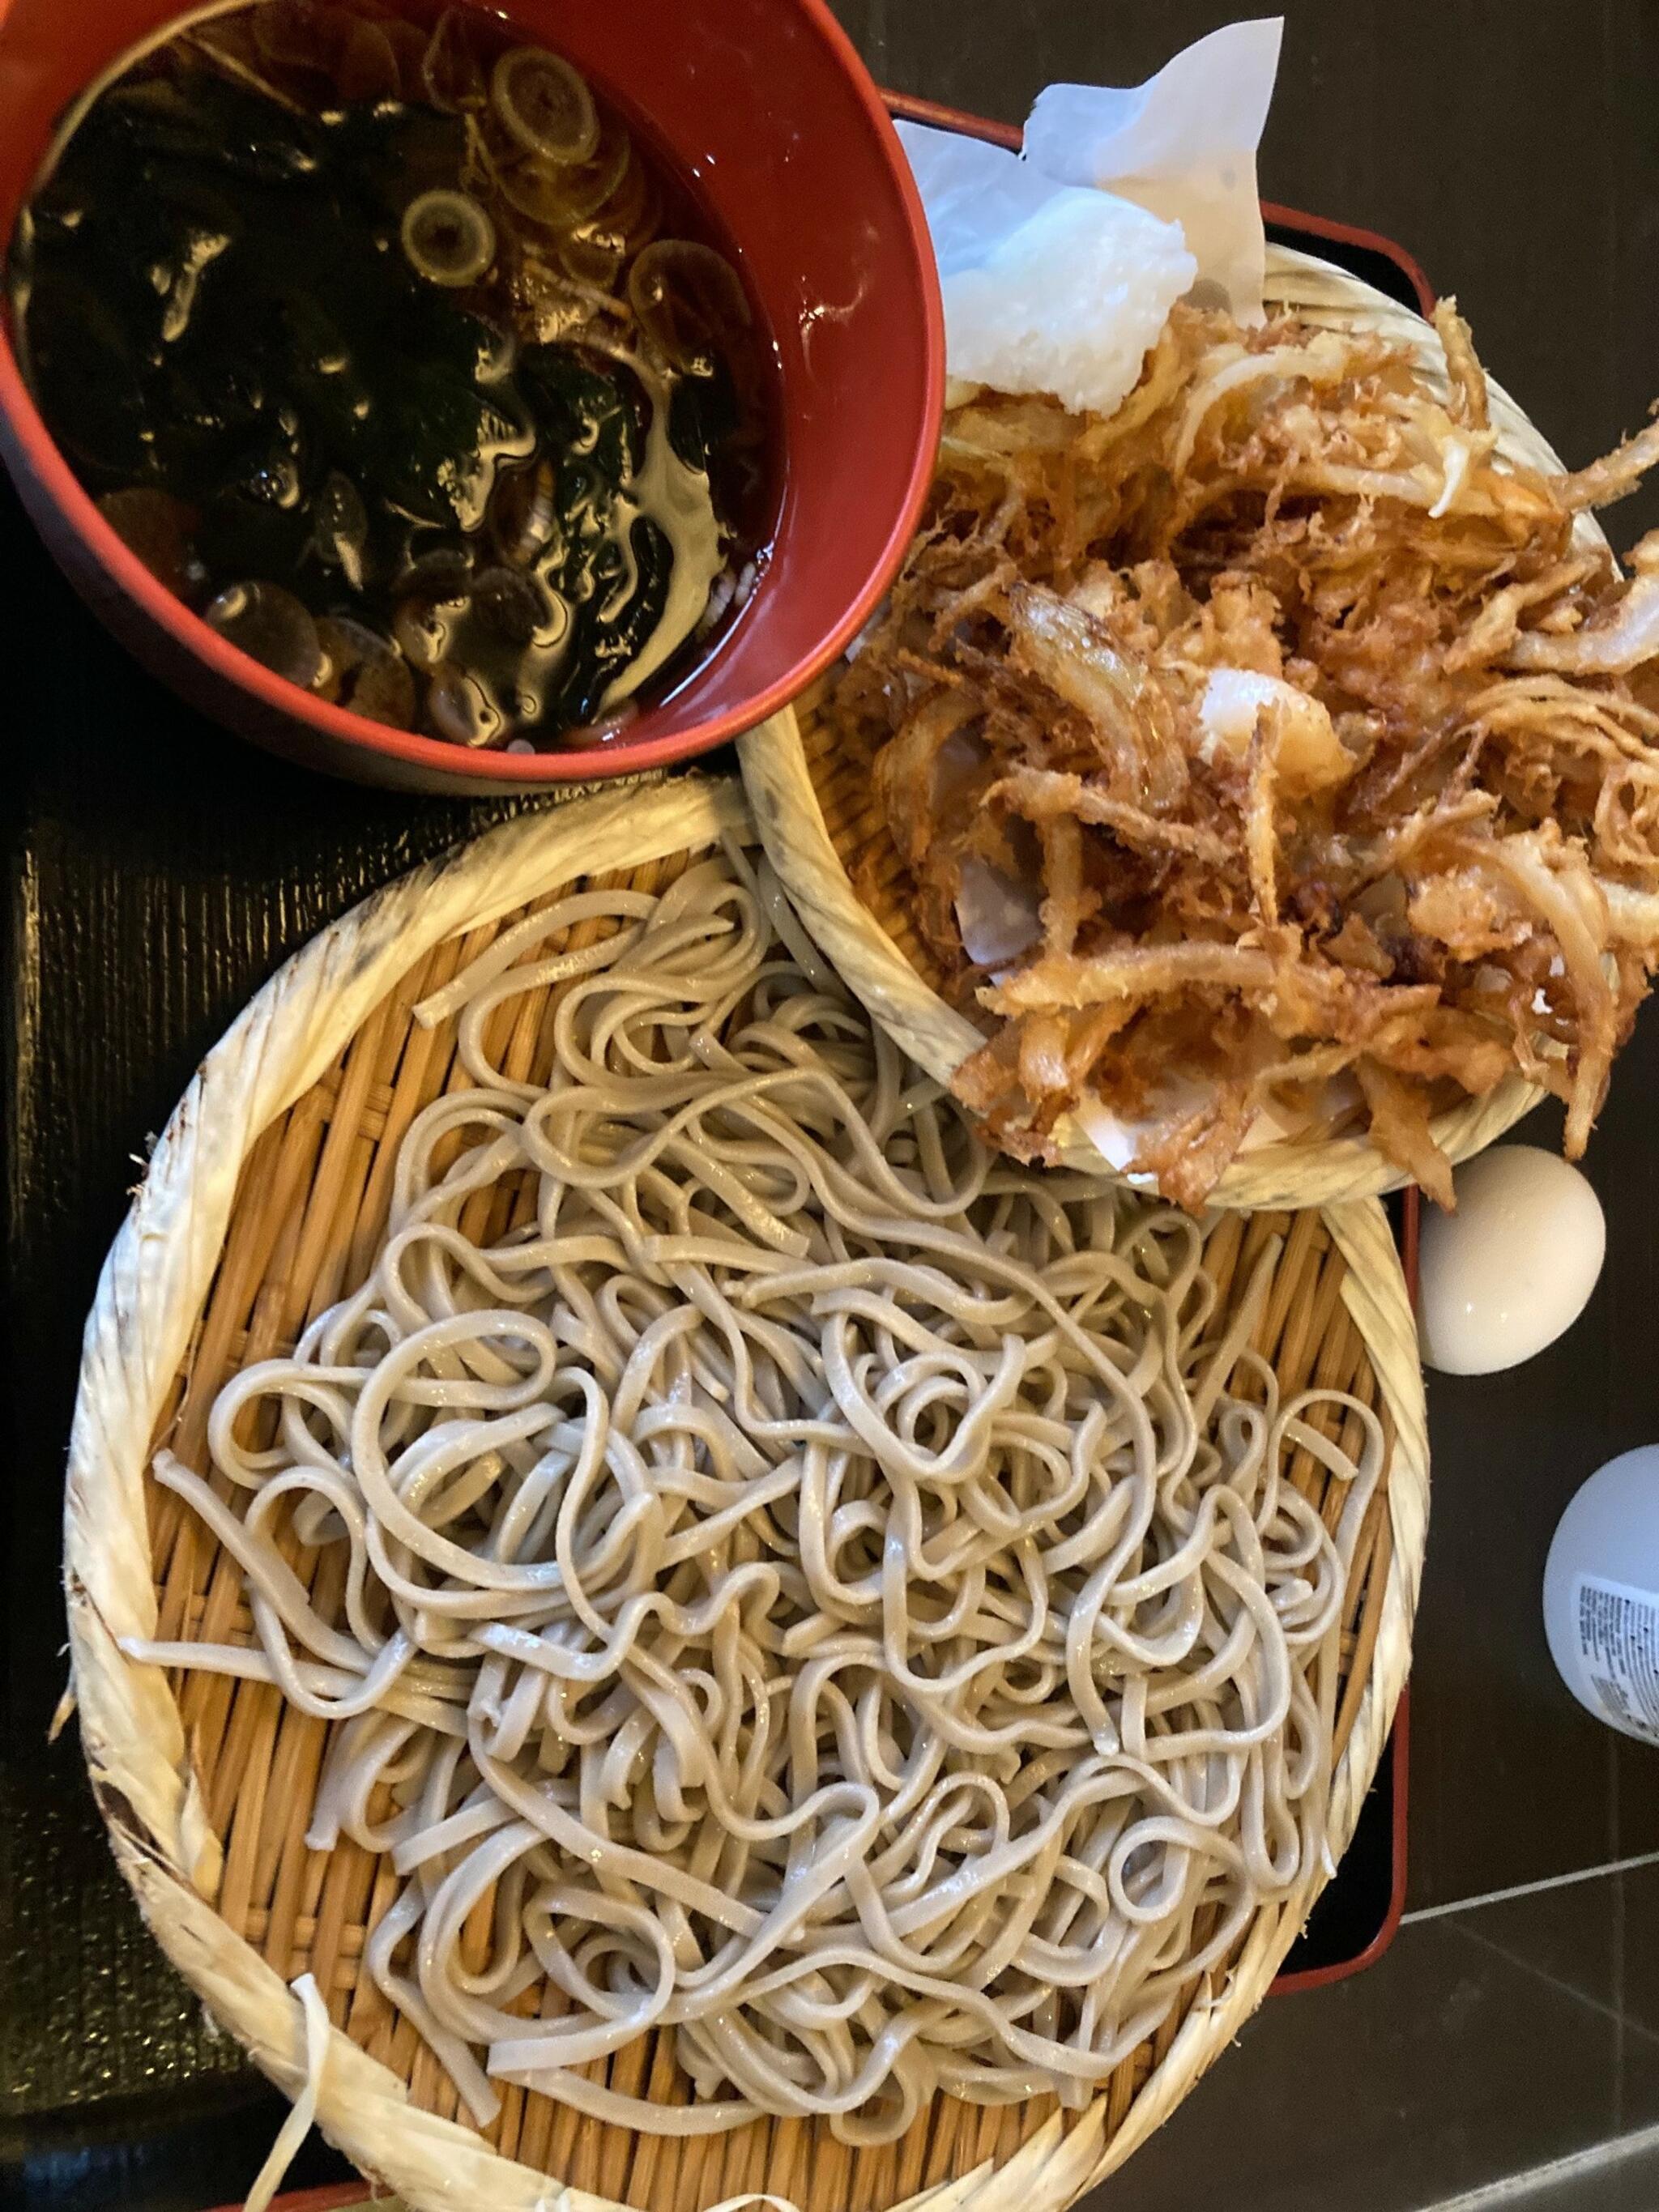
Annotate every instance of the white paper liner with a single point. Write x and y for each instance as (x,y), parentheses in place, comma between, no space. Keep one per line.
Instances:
(1058,266)
(1182,146)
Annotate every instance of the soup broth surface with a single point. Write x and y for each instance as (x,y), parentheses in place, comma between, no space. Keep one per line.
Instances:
(390,348)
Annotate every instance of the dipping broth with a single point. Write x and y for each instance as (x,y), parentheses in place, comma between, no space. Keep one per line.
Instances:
(390,347)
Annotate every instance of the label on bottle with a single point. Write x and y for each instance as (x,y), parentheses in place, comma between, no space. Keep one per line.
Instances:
(1619,1643)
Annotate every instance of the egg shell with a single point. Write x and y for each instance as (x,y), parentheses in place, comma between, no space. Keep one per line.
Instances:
(1514,1267)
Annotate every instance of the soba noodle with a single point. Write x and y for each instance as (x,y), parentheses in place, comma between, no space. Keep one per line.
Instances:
(809,1585)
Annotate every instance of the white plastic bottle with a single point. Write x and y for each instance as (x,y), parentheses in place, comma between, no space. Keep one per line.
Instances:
(1602,1595)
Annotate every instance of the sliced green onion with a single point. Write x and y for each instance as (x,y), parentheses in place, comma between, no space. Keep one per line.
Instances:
(544,106)
(688,301)
(450,72)
(559,196)
(448,238)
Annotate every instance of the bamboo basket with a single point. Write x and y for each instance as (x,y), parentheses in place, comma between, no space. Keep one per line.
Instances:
(825,833)
(263,1204)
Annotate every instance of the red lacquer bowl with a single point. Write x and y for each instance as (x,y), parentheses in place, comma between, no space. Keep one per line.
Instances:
(764,104)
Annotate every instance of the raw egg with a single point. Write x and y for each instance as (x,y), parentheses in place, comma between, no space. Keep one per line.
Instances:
(1514,1267)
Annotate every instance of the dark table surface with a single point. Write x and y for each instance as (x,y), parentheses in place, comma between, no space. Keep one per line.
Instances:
(1507,2048)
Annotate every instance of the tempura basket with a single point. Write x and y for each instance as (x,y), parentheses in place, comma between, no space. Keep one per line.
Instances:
(825,831)
(263,1203)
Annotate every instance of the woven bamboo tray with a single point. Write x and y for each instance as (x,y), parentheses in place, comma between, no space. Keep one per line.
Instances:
(825,834)
(263,1204)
